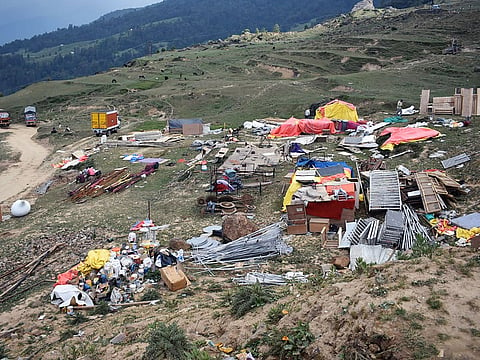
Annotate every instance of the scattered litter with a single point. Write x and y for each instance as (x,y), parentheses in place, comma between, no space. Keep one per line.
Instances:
(270,279)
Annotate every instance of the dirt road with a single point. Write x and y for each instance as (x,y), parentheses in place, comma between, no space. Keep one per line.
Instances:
(30,171)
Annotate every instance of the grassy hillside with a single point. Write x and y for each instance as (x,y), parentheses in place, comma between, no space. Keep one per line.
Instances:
(412,309)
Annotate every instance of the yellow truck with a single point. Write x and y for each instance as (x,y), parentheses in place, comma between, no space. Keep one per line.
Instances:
(105,122)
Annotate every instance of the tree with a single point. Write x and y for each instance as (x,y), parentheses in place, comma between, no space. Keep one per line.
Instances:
(276,28)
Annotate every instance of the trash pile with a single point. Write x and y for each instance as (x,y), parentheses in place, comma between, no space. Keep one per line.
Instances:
(118,275)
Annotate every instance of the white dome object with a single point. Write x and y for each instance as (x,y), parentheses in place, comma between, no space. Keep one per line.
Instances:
(20,208)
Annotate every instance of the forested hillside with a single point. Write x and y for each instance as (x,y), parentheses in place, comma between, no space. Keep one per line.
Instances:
(115,39)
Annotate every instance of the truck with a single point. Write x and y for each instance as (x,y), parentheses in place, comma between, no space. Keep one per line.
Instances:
(4,118)
(105,122)
(30,116)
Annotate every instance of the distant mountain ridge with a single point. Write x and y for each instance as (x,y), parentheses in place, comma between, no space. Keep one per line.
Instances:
(121,36)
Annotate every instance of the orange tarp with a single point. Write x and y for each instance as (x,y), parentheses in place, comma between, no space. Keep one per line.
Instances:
(295,127)
(406,135)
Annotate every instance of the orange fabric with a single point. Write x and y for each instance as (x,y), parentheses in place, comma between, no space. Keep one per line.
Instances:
(295,127)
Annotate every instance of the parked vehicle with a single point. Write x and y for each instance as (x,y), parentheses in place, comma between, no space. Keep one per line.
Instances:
(4,118)
(105,122)
(30,116)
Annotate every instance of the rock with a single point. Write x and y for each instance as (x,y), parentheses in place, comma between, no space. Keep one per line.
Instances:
(120,338)
(363,5)
(178,244)
(237,225)
(341,261)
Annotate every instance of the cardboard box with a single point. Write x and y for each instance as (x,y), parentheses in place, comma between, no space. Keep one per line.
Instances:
(173,277)
(317,225)
(297,229)
(296,211)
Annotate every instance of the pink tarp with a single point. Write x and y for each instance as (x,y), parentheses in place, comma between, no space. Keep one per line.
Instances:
(405,135)
(295,127)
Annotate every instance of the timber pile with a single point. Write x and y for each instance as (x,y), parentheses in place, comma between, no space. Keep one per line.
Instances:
(430,190)
(115,181)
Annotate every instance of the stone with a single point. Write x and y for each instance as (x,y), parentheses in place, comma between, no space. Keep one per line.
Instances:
(178,244)
(341,261)
(237,225)
(120,338)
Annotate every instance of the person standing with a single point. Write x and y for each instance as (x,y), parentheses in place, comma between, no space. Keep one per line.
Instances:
(399,107)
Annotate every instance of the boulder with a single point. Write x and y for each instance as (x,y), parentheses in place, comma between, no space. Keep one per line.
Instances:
(237,225)
(341,261)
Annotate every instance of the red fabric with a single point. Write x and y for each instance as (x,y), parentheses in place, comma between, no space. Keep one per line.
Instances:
(404,135)
(329,209)
(66,277)
(332,209)
(295,127)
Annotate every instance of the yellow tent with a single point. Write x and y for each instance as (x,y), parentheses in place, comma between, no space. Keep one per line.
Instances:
(337,110)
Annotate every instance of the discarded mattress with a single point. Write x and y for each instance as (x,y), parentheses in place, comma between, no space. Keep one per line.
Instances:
(66,295)
(295,127)
(406,135)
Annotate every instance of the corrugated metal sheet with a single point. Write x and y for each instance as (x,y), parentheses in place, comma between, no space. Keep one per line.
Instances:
(384,191)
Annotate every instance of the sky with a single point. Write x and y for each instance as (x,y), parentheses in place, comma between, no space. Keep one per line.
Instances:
(22,19)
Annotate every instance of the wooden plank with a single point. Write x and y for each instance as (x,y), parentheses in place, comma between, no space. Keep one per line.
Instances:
(467,102)
(445,179)
(477,107)
(424,101)
(458,104)
(429,196)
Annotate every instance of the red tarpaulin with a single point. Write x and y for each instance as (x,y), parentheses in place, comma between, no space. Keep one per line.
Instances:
(406,135)
(295,127)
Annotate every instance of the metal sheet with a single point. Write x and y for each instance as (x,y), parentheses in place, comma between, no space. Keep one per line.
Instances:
(384,190)
(455,161)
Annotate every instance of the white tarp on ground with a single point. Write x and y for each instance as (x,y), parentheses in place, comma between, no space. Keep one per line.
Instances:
(66,295)
(371,254)
(409,111)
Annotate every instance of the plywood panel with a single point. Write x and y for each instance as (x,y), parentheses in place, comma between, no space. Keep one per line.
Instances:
(467,103)
(424,100)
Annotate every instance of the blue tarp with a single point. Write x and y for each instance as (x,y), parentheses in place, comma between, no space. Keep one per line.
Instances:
(312,163)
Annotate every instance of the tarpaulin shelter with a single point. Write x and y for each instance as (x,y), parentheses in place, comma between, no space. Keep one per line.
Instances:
(405,135)
(337,110)
(295,127)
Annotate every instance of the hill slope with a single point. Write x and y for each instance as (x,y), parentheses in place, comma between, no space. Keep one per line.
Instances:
(113,40)
(410,309)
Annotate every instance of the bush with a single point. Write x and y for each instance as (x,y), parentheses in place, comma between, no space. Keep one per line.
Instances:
(150,295)
(167,342)
(289,344)
(248,297)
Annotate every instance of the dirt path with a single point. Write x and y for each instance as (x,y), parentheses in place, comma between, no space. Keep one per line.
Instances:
(31,170)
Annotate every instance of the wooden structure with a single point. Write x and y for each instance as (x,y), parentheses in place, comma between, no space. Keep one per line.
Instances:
(297,219)
(465,102)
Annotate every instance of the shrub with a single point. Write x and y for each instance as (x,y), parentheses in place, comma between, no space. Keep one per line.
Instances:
(150,295)
(289,343)
(249,297)
(167,342)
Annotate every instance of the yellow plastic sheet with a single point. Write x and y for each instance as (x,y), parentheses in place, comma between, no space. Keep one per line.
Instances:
(466,234)
(95,260)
